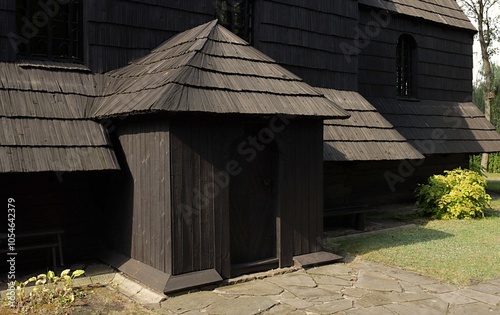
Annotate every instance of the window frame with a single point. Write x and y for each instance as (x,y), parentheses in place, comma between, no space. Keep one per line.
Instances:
(48,50)
(406,67)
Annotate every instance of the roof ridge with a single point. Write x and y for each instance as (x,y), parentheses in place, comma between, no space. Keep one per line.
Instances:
(212,71)
(213,88)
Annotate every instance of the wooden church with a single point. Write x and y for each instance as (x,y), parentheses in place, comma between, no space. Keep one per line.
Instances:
(186,142)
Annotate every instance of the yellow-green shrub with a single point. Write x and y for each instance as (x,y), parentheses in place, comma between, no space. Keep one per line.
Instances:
(459,193)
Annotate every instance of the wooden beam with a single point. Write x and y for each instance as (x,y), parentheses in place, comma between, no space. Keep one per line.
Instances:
(191,280)
(318,258)
(146,274)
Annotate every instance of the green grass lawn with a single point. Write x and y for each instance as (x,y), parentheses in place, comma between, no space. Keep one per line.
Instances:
(456,251)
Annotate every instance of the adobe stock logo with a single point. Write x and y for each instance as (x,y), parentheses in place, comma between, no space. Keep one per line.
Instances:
(40,19)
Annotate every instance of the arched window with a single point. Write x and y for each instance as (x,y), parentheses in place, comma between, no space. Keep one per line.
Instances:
(236,16)
(406,64)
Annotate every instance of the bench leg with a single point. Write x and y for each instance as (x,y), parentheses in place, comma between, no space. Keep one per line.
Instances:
(60,249)
(54,258)
(359,221)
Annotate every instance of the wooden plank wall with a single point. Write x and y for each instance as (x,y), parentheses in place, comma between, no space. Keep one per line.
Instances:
(201,149)
(120,31)
(143,216)
(351,184)
(74,204)
(200,222)
(306,37)
(444,54)
(8,23)
(301,192)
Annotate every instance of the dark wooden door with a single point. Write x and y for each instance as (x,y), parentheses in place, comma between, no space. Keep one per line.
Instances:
(253,204)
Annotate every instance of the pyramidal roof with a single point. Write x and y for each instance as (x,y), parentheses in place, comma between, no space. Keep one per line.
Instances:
(209,69)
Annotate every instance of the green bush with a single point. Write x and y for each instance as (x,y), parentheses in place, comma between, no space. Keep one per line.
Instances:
(459,194)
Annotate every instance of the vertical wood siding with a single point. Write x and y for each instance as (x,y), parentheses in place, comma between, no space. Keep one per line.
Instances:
(306,36)
(444,60)
(200,150)
(120,31)
(145,145)
(200,216)
(301,200)
(8,25)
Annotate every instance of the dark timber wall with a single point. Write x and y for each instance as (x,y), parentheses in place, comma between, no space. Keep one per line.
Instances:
(8,25)
(351,184)
(200,150)
(444,59)
(301,206)
(142,214)
(306,36)
(116,31)
(174,211)
(200,220)
(119,31)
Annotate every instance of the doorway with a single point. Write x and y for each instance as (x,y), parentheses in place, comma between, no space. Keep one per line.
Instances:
(253,204)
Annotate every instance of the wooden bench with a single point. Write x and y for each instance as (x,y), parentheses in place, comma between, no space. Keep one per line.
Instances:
(38,239)
(357,212)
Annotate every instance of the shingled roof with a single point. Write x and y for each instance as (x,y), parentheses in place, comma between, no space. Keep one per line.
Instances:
(209,69)
(436,127)
(42,125)
(441,11)
(365,136)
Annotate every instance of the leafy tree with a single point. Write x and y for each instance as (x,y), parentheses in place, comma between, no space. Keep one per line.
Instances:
(478,96)
(482,12)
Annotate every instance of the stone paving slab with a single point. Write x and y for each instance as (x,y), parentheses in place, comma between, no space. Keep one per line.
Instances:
(258,287)
(453,298)
(297,303)
(487,288)
(193,301)
(480,296)
(243,305)
(419,308)
(344,289)
(372,280)
(306,292)
(300,279)
(375,310)
(439,287)
(411,288)
(474,308)
(332,307)
(281,309)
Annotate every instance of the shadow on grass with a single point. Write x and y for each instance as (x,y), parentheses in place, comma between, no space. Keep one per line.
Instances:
(489,213)
(361,244)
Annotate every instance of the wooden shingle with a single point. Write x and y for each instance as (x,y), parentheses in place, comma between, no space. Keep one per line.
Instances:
(365,136)
(209,69)
(435,127)
(446,12)
(44,123)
